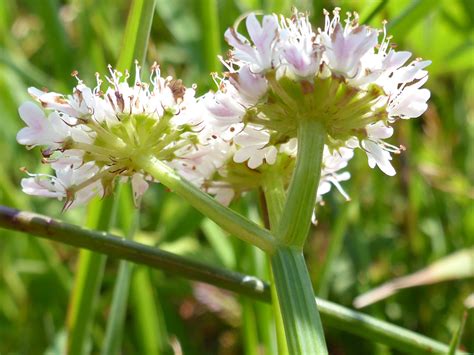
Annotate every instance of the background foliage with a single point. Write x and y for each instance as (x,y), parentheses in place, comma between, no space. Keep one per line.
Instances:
(392,227)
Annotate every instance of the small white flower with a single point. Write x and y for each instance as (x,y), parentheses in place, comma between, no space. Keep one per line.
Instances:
(298,47)
(41,130)
(254,149)
(61,185)
(378,151)
(345,46)
(250,86)
(260,55)
(225,107)
(92,137)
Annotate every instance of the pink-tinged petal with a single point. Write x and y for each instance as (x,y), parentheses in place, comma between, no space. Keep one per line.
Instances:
(253,27)
(43,186)
(345,50)
(250,85)
(139,187)
(53,101)
(252,137)
(32,115)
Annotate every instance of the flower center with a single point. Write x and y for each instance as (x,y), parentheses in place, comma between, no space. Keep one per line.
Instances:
(345,111)
(119,146)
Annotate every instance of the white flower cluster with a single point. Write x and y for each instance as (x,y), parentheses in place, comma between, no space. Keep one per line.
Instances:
(340,75)
(223,141)
(91,137)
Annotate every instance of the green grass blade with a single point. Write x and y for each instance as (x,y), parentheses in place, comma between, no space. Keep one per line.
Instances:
(249,328)
(457,336)
(87,283)
(56,36)
(137,33)
(372,11)
(151,328)
(400,26)
(115,322)
(211,35)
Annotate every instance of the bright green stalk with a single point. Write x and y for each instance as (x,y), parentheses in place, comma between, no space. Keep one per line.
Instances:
(332,314)
(115,322)
(210,34)
(296,219)
(457,335)
(229,220)
(148,314)
(137,33)
(250,338)
(87,282)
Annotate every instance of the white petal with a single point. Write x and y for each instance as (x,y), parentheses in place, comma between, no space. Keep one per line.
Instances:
(139,187)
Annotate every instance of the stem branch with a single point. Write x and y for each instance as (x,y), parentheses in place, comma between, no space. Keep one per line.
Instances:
(229,220)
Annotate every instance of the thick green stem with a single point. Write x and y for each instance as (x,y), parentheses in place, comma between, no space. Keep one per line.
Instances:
(301,198)
(333,315)
(229,220)
(303,328)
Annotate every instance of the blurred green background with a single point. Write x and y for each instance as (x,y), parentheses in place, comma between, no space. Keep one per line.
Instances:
(391,228)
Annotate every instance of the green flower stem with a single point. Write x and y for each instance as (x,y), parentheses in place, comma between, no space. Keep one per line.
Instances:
(296,219)
(229,220)
(332,314)
(303,328)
